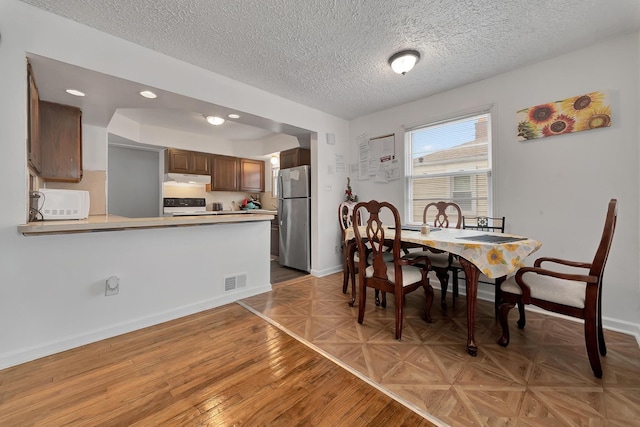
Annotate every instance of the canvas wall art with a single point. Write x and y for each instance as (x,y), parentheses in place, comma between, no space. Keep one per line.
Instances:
(575,114)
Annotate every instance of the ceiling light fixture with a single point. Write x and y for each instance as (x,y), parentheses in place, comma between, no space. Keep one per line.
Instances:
(404,61)
(148,94)
(216,121)
(74,92)
(233,116)
(275,160)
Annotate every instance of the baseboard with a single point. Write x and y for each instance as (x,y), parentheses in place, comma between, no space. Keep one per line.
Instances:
(47,349)
(326,271)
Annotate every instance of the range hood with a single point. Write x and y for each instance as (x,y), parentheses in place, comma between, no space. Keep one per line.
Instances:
(187,178)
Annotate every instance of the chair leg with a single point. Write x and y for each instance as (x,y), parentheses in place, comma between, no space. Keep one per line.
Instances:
(522,320)
(591,340)
(601,345)
(428,290)
(442,275)
(362,301)
(399,303)
(504,322)
(454,291)
(345,270)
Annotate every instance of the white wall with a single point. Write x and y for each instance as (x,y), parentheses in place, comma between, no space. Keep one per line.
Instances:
(552,189)
(52,287)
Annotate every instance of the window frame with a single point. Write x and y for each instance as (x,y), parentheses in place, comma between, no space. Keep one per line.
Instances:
(489,171)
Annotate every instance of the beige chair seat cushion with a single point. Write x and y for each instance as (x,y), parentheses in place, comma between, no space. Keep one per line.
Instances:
(437,259)
(410,274)
(561,291)
(386,256)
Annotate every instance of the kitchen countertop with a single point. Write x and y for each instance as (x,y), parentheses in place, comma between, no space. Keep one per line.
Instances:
(118,223)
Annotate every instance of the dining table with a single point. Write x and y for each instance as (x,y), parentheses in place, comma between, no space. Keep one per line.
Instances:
(495,255)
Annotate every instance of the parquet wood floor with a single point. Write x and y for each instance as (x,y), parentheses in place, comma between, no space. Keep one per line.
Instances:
(542,378)
(221,367)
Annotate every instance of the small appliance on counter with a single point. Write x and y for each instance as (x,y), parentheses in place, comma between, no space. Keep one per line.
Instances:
(183,206)
(54,204)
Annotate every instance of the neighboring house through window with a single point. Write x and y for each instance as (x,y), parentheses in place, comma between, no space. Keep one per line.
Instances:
(450,160)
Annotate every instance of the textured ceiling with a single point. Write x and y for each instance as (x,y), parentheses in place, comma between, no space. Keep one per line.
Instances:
(332,55)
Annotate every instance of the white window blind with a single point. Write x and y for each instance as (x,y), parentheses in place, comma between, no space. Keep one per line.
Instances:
(450,161)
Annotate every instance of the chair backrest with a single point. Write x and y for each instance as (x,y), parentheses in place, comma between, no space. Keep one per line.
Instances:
(483,223)
(599,261)
(374,241)
(443,214)
(345,215)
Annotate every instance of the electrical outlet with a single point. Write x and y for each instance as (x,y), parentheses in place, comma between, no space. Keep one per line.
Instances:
(112,286)
(337,249)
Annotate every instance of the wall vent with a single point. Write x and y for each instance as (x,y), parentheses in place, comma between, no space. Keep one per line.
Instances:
(234,282)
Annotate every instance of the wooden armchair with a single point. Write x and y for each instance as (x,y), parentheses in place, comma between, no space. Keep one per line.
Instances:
(576,295)
(398,277)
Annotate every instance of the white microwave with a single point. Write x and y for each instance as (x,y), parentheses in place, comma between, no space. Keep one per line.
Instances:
(63,204)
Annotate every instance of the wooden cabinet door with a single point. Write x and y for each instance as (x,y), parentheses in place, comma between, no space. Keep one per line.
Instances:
(33,141)
(201,163)
(183,161)
(251,175)
(60,142)
(295,157)
(178,161)
(224,173)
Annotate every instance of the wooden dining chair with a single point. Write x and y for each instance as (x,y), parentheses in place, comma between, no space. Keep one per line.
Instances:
(398,277)
(349,249)
(479,223)
(441,215)
(577,295)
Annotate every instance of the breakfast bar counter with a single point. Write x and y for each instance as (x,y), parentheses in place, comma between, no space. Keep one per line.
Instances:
(117,223)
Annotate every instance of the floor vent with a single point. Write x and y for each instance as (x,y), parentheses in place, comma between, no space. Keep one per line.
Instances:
(234,282)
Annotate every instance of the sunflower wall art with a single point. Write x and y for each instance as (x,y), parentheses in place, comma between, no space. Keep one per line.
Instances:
(583,112)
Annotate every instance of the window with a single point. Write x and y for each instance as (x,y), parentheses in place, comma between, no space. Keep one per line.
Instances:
(449,160)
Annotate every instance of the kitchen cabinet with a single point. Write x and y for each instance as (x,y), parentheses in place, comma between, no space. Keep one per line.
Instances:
(224,173)
(33,139)
(251,175)
(295,157)
(183,161)
(60,142)
(275,237)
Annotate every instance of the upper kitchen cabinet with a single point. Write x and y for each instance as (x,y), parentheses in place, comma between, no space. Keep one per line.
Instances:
(251,175)
(295,157)
(33,139)
(60,142)
(224,173)
(183,161)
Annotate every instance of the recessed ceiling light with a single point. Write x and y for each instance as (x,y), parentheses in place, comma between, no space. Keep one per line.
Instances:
(148,94)
(74,92)
(234,116)
(216,121)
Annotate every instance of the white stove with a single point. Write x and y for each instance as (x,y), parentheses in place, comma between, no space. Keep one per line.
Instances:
(179,206)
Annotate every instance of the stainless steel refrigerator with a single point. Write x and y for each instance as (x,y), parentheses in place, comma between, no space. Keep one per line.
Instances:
(294,214)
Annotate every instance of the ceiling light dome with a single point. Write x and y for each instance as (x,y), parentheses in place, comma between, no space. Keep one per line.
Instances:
(404,61)
(216,121)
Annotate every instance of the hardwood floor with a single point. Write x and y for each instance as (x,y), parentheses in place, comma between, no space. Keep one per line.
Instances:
(227,366)
(221,367)
(543,378)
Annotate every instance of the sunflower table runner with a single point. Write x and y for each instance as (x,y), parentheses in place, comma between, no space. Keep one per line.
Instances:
(583,112)
(494,259)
